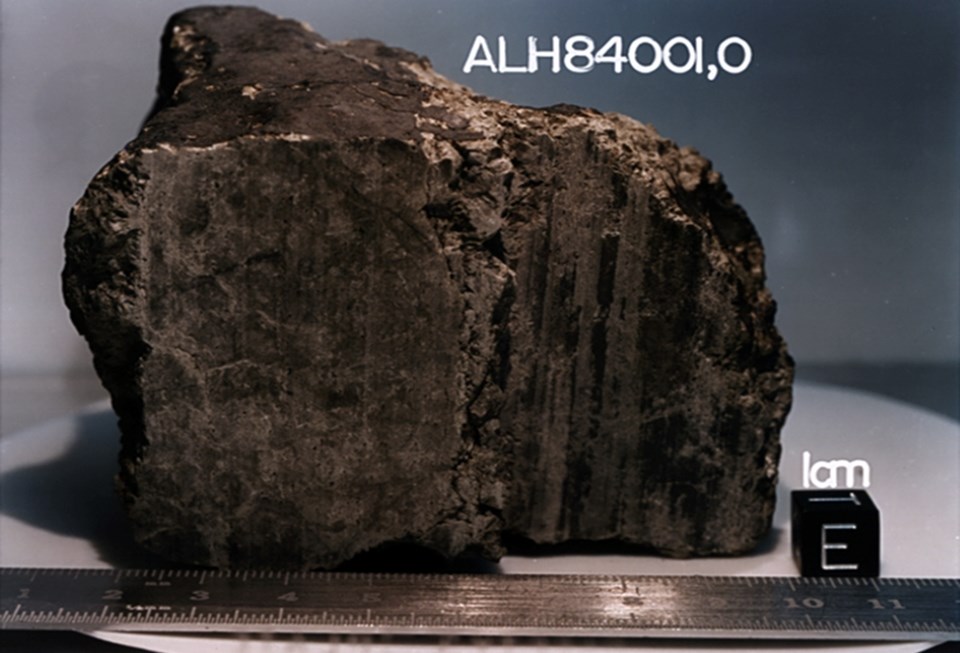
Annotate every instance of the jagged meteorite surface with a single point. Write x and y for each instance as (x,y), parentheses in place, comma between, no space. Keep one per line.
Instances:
(340,301)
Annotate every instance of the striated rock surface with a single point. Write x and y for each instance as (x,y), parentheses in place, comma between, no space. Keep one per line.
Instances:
(340,301)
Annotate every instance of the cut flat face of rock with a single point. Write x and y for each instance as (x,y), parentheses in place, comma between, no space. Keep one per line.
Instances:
(341,302)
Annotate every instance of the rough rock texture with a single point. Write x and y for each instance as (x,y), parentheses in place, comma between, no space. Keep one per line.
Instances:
(340,301)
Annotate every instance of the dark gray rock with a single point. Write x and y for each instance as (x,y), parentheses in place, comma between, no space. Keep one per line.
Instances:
(340,301)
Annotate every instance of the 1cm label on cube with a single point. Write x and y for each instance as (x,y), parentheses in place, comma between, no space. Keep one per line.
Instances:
(828,474)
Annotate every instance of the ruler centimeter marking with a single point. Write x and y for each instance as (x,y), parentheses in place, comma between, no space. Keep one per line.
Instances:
(170,600)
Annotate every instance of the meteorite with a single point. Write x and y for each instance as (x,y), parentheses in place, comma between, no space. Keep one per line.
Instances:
(340,301)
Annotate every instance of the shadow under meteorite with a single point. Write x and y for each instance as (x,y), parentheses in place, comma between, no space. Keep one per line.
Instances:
(73,495)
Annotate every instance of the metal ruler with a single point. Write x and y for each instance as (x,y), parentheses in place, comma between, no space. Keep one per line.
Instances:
(505,605)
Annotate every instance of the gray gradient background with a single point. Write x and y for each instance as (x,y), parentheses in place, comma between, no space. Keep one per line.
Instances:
(842,141)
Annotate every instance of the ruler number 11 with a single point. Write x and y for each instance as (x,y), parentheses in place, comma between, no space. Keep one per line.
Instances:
(894,604)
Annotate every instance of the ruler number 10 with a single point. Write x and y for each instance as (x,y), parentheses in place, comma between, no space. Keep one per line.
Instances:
(808,602)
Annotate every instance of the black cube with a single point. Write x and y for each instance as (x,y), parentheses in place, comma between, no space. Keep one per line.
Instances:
(835,533)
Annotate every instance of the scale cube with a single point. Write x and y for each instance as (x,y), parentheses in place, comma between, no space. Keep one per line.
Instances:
(835,533)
